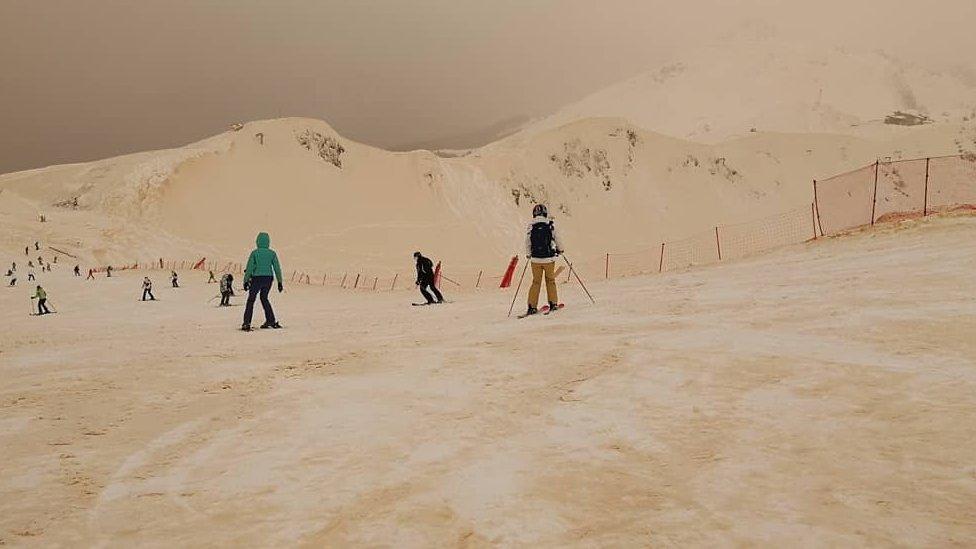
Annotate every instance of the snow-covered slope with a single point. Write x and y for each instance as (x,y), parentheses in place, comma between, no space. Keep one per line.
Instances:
(764,84)
(661,156)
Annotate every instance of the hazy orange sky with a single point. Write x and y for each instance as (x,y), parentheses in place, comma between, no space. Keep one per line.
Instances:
(81,80)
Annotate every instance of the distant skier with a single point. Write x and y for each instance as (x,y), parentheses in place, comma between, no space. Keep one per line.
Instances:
(30,264)
(212,278)
(425,279)
(77,270)
(55,260)
(91,274)
(261,265)
(13,278)
(26,250)
(108,271)
(226,289)
(37,245)
(13,266)
(174,278)
(147,289)
(541,248)
(41,297)
(30,275)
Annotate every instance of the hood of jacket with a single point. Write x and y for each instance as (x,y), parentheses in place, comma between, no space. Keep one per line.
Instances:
(263,240)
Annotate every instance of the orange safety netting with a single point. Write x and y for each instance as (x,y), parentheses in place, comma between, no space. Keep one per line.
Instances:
(901,189)
(952,183)
(846,201)
(698,249)
(752,237)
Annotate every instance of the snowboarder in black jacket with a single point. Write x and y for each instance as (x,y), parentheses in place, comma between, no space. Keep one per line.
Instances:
(425,279)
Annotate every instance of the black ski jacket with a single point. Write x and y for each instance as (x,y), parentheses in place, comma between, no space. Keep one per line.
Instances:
(425,270)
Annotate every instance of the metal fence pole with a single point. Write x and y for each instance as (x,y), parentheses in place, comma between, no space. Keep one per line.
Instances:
(874,198)
(925,204)
(718,244)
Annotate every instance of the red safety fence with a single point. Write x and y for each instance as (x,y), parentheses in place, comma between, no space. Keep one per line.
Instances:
(890,190)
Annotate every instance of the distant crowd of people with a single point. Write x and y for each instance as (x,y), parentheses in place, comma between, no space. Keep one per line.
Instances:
(263,272)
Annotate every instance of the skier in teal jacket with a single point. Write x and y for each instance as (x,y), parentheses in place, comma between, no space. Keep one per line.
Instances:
(261,265)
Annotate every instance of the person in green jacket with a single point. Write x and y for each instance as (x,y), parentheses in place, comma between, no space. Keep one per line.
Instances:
(41,297)
(261,265)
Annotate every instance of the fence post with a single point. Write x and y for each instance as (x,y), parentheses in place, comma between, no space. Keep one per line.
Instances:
(478,282)
(813,219)
(925,204)
(343,283)
(660,265)
(293,274)
(816,205)
(718,244)
(607,272)
(393,286)
(874,199)
(356,284)
(375,280)
(324,276)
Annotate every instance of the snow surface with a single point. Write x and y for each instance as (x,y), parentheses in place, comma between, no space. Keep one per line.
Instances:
(821,395)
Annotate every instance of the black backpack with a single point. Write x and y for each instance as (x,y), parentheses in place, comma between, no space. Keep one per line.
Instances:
(541,239)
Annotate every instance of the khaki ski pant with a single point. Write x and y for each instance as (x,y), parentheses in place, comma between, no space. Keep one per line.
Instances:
(538,271)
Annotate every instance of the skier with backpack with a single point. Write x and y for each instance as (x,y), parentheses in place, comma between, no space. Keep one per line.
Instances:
(226,289)
(174,278)
(541,249)
(262,269)
(77,270)
(426,280)
(147,289)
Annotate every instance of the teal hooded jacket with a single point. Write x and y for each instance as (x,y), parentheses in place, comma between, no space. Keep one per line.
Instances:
(263,260)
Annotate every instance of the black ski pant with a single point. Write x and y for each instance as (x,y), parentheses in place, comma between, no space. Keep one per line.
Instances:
(259,285)
(225,299)
(42,307)
(428,284)
(147,291)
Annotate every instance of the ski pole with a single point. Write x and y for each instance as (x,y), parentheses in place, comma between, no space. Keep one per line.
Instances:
(574,273)
(517,288)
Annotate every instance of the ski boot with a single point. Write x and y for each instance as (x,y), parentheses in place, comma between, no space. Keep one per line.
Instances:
(531,311)
(245,327)
(553,307)
(267,325)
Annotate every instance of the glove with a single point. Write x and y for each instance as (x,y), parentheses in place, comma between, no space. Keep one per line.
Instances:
(247,286)
(281,287)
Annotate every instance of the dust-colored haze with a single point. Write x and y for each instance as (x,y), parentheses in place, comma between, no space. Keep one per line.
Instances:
(85,80)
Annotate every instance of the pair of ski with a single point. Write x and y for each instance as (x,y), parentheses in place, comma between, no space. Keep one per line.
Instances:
(544,310)
(433,303)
